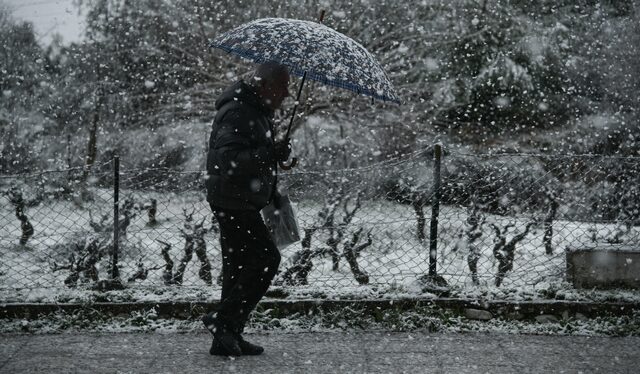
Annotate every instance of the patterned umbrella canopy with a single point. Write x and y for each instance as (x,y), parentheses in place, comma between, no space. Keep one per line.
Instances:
(324,54)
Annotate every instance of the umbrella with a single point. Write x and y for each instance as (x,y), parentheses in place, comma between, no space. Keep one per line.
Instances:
(310,50)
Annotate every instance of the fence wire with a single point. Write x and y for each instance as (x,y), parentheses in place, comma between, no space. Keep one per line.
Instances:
(504,220)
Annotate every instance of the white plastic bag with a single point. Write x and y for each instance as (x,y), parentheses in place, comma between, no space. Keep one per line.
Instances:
(282,222)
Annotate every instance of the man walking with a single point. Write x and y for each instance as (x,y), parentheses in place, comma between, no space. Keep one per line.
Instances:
(242,178)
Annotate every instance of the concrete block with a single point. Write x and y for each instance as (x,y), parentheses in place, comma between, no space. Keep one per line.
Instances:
(547,318)
(478,314)
(604,266)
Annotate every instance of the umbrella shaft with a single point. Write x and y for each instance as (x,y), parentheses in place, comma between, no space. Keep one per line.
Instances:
(295,107)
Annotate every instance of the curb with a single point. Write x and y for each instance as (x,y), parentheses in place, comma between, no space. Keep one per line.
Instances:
(280,308)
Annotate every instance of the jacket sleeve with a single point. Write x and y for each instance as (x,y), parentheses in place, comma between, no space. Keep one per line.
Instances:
(235,148)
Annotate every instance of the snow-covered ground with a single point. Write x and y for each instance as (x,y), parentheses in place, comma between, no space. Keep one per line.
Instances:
(420,319)
(394,262)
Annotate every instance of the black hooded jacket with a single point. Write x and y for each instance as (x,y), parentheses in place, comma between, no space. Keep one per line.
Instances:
(241,164)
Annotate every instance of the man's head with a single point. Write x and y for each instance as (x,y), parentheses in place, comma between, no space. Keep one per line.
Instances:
(271,81)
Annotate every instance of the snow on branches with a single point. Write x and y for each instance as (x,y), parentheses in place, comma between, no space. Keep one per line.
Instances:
(336,233)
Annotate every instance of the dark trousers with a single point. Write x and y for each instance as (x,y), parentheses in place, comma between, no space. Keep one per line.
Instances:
(250,260)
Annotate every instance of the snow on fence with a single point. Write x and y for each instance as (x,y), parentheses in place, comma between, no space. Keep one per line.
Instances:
(493,219)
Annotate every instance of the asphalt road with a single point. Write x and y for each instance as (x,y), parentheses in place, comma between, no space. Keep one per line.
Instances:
(315,352)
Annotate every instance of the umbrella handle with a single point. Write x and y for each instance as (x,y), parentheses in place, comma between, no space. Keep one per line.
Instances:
(283,166)
(294,161)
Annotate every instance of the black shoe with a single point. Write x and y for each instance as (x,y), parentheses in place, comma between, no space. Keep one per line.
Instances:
(217,350)
(222,334)
(249,349)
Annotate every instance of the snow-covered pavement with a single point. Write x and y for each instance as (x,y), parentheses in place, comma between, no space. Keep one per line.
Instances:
(320,352)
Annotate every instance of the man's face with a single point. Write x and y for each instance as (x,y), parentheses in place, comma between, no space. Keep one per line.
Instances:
(276,91)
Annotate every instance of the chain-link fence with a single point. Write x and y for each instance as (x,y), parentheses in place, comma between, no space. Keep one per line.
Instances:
(493,219)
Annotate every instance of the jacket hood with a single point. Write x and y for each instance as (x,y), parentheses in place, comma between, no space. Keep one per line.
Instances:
(241,91)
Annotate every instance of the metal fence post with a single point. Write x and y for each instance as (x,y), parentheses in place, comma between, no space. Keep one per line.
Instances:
(435,211)
(116,214)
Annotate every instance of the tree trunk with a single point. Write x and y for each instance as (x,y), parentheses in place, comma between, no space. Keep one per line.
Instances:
(92,148)
(188,254)
(205,265)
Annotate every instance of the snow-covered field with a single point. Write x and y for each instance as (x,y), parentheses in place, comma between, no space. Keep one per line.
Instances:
(394,261)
